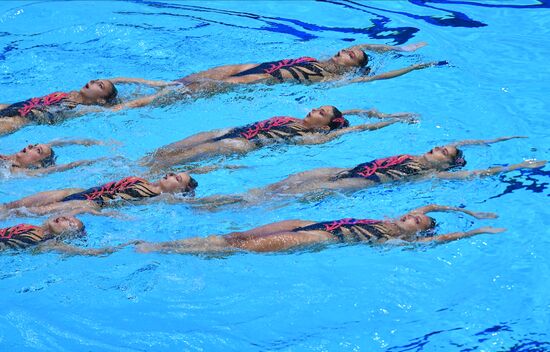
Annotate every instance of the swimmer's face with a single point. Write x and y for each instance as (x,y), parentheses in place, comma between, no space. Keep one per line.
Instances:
(33,154)
(350,58)
(98,90)
(174,183)
(65,225)
(320,117)
(441,155)
(412,223)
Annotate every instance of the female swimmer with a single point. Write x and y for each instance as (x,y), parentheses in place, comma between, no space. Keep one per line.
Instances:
(319,126)
(412,227)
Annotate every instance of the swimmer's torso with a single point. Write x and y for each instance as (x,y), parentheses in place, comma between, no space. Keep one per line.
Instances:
(352,230)
(21,236)
(43,110)
(129,188)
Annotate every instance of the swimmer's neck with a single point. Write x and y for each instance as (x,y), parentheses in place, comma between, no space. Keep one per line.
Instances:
(77,97)
(332,67)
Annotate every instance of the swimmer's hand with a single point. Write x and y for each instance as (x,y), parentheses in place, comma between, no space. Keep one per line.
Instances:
(430,64)
(412,47)
(490,229)
(407,117)
(532,164)
(483,215)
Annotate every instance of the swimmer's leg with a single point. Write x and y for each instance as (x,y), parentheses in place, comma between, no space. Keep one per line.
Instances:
(11,124)
(42,198)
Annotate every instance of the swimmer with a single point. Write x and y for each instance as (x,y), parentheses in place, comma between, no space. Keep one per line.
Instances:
(39,159)
(56,106)
(319,126)
(78,200)
(413,227)
(300,70)
(48,237)
(439,162)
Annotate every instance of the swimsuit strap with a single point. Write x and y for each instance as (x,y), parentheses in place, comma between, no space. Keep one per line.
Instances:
(20,236)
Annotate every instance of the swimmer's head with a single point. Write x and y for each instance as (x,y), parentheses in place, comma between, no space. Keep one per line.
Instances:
(99,91)
(326,117)
(35,155)
(178,183)
(351,58)
(445,157)
(64,226)
(414,223)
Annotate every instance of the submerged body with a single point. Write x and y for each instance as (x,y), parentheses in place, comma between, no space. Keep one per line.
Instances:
(319,126)
(293,234)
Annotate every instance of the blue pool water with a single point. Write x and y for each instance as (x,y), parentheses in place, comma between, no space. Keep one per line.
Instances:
(486,293)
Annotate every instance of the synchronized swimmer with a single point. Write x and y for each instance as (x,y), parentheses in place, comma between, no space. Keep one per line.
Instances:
(57,106)
(413,227)
(301,70)
(39,159)
(77,200)
(436,163)
(319,126)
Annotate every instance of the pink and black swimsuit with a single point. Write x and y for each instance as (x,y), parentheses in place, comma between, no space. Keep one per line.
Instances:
(21,236)
(395,167)
(28,108)
(346,230)
(279,126)
(306,66)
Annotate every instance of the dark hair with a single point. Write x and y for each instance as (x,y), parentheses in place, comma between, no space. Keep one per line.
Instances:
(365,60)
(189,190)
(111,99)
(49,160)
(338,120)
(430,231)
(458,160)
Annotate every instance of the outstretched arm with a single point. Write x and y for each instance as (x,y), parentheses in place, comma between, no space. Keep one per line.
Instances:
(381,48)
(410,116)
(138,103)
(444,208)
(483,141)
(64,167)
(323,138)
(458,235)
(529,164)
(394,73)
(123,80)
(86,142)
(63,248)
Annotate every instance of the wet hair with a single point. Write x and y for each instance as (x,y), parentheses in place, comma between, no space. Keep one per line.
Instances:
(189,190)
(49,160)
(458,160)
(338,120)
(111,99)
(430,231)
(365,60)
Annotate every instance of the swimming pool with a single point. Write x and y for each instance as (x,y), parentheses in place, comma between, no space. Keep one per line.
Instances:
(486,293)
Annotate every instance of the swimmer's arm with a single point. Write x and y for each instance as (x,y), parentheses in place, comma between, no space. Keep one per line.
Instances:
(394,73)
(409,116)
(215,201)
(381,48)
(124,80)
(210,168)
(323,138)
(458,235)
(447,209)
(138,103)
(64,167)
(63,248)
(460,175)
(86,142)
(484,141)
